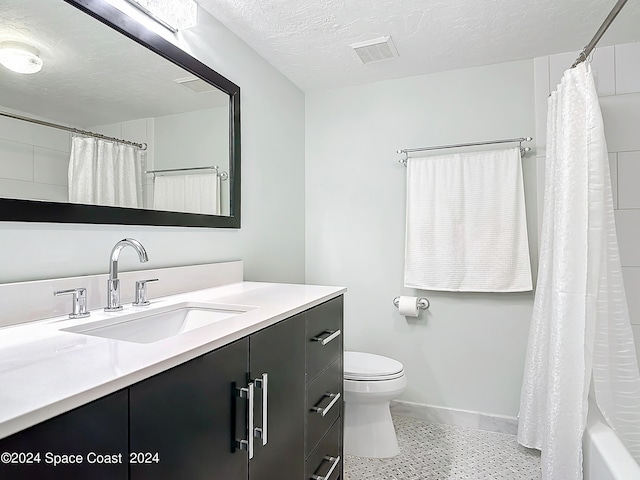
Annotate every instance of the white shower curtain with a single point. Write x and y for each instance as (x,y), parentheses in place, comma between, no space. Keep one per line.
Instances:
(580,328)
(105,173)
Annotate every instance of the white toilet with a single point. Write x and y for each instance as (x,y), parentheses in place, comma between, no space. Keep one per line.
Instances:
(370,383)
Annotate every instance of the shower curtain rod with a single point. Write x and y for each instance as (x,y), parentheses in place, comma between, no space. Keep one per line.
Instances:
(523,150)
(596,38)
(141,146)
(222,175)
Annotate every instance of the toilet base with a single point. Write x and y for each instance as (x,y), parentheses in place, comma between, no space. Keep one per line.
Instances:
(369,430)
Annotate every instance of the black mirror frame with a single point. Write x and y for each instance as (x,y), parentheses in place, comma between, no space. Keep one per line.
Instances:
(15,210)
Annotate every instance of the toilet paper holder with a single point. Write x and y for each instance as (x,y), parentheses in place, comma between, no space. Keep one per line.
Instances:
(423,303)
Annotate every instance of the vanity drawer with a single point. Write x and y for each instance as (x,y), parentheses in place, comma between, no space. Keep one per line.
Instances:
(324,403)
(327,457)
(324,335)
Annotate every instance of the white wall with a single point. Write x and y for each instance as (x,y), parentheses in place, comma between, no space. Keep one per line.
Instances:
(271,241)
(193,139)
(617,73)
(467,351)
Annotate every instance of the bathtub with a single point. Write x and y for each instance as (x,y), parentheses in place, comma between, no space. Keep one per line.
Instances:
(604,455)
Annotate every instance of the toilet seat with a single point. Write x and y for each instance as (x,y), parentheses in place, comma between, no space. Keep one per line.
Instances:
(368,367)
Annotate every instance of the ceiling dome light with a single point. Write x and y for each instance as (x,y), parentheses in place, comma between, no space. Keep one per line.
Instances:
(20,57)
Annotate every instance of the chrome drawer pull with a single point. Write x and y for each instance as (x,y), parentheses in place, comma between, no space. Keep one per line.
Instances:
(326,336)
(335,460)
(248,443)
(263,384)
(323,411)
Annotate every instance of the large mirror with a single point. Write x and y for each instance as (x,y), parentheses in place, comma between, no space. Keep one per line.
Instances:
(120,126)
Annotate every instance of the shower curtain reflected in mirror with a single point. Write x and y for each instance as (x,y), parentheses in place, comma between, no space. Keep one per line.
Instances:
(103,172)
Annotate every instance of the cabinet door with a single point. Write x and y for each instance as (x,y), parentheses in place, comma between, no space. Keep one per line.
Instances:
(279,351)
(89,442)
(188,417)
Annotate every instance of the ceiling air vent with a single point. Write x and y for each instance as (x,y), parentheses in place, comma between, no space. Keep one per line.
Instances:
(375,50)
(196,84)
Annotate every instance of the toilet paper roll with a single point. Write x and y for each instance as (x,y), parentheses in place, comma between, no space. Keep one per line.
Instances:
(408,306)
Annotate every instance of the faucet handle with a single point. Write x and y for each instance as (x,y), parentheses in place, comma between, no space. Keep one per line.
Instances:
(141,292)
(79,309)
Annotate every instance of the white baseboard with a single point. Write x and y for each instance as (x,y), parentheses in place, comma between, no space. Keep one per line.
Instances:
(451,416)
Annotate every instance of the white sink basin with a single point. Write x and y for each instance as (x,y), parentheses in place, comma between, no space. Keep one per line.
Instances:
(154,325)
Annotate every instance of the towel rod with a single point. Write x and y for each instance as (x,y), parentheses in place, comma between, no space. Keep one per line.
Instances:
(523,150)
(222,175)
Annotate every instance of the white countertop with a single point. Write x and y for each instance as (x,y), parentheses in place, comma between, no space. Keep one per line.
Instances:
(45,371)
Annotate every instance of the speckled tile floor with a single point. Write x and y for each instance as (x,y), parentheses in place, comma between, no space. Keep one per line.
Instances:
(431,451)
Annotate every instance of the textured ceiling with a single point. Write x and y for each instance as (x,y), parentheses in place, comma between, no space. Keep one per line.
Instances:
(308,40)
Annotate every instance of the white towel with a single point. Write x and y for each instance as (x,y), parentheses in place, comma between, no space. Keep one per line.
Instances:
(187,193)
(466,223)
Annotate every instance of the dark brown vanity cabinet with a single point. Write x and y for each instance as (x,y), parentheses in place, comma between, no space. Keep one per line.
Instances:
(90,442)
(278,352)
(197,416)
(182,421)
(268,406)
(324,393)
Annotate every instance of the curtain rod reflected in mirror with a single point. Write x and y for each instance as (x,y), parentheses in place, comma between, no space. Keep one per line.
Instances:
(142,146)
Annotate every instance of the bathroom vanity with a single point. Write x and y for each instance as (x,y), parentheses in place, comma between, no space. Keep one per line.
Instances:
(256,395)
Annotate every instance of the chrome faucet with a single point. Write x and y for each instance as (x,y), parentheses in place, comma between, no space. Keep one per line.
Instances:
(113,284)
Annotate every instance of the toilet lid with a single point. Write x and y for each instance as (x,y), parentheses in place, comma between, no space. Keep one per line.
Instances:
(368,366)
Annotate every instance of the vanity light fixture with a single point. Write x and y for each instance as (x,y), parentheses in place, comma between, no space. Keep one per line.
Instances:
(172,14)
(20,57)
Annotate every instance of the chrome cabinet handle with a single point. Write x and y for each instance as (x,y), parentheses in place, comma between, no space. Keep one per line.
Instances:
(323,411)
(248,443)
(335,460)
(326,336)
(263,384)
